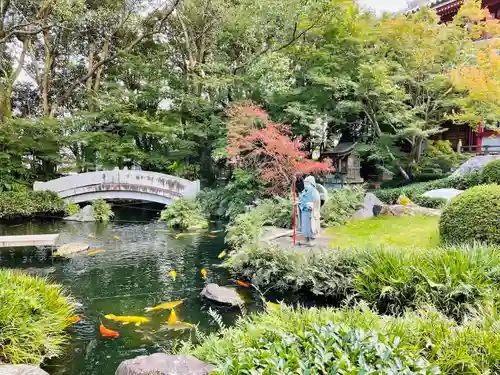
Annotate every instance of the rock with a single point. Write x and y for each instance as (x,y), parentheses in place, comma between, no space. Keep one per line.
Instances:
(72,248)
(222,294)
(164,364)
(443,193)
(413,210)
(21,370)
(368,210)
(85,214)
(474,164)
(40,271)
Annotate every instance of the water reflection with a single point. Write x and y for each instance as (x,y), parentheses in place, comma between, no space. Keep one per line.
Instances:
(132,274)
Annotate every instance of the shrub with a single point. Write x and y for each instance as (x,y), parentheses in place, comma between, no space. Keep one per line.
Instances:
(341,205)
(325,349)
(101,210)
(474,215)
(491,172)
(470,348)
(430,202)
(33,316)
(450,279)
(17,204)
(184,214)
(72,209)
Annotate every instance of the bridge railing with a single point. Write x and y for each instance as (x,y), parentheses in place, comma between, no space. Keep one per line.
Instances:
(135,184)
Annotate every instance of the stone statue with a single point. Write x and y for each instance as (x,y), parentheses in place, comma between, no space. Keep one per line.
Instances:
(309,210)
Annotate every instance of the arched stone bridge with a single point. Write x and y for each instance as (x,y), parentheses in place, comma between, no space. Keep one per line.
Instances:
(121,184)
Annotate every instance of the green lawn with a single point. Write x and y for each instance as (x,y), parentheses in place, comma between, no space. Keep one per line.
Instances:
(387,231)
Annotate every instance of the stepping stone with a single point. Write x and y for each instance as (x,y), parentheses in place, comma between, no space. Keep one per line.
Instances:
(21,370)
(164,364)
(222,294)
(72,248)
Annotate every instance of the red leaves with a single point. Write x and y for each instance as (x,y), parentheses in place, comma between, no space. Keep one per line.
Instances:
(257,142)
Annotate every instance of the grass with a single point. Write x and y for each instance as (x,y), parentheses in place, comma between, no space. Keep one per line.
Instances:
(387,231)
(33,316)
(467,348)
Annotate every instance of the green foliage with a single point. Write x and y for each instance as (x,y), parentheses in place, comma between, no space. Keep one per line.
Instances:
(341,205)
(231,200)
(26,204)
(469,347)
(491,172)
(430,202)
(184,214)
(33,316)
(72,209)
(324,349)
(101,210)
(472,216)
(438,160)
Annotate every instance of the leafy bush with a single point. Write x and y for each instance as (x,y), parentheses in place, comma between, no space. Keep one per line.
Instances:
(327,273)
(184,214)
(101,210)
(451,279)
(341,205)
(430,202)
(491,172)
(457,349)
(439,159)
(16,204)
(231,200)
(474,215)
(325,349)
(33,316)
(72,209)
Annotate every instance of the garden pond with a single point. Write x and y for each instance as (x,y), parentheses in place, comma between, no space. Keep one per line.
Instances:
(130,275)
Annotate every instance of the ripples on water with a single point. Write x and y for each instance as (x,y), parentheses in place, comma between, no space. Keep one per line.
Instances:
(132,274)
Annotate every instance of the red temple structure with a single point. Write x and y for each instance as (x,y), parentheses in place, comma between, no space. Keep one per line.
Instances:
(480,141)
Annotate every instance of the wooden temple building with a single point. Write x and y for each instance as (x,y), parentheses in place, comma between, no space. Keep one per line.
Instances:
(463,137)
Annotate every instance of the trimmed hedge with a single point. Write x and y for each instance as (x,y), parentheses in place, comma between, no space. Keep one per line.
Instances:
(472,216)
(491,172)
(26,204)
(430,202)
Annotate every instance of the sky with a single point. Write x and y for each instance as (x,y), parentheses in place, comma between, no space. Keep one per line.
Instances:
(381,6)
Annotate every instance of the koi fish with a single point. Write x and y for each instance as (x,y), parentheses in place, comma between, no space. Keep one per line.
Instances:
(138,320)
(74,319)
(116,237)
(172,319)
(91,235)
(108,332)
(216,231)
(241,283)
(173,274)
(211,236)
(95,252)
(55,253)
(165,306)
(177,326)
(273,305)
(204,273)
(221,255)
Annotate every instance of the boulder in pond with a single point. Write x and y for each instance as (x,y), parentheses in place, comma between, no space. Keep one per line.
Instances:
(222,294)
(369,207)
(474,164)
(164,364)
(443,193)
(40,271)
(72,248)
(85,214)
(21,370)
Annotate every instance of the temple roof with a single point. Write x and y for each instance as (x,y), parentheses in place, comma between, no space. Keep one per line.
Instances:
(443,6)
(343,148)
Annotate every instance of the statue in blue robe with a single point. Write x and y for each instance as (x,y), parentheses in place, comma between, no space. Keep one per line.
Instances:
(309,210)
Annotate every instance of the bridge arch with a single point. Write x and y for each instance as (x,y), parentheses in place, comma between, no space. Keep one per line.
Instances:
(121,184)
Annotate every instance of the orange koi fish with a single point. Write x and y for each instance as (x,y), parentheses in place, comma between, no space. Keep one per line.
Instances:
(211,236)
(241,283)
(108,332)
(75,319)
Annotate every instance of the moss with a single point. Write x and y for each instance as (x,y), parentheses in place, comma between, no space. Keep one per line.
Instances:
(491,172)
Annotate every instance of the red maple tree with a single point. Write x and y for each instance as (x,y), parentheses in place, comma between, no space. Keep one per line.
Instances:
(254,141)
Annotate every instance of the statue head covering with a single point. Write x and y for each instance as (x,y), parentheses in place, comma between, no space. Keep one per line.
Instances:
(309,181)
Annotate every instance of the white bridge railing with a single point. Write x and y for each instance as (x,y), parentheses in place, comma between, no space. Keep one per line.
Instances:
(124,184)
